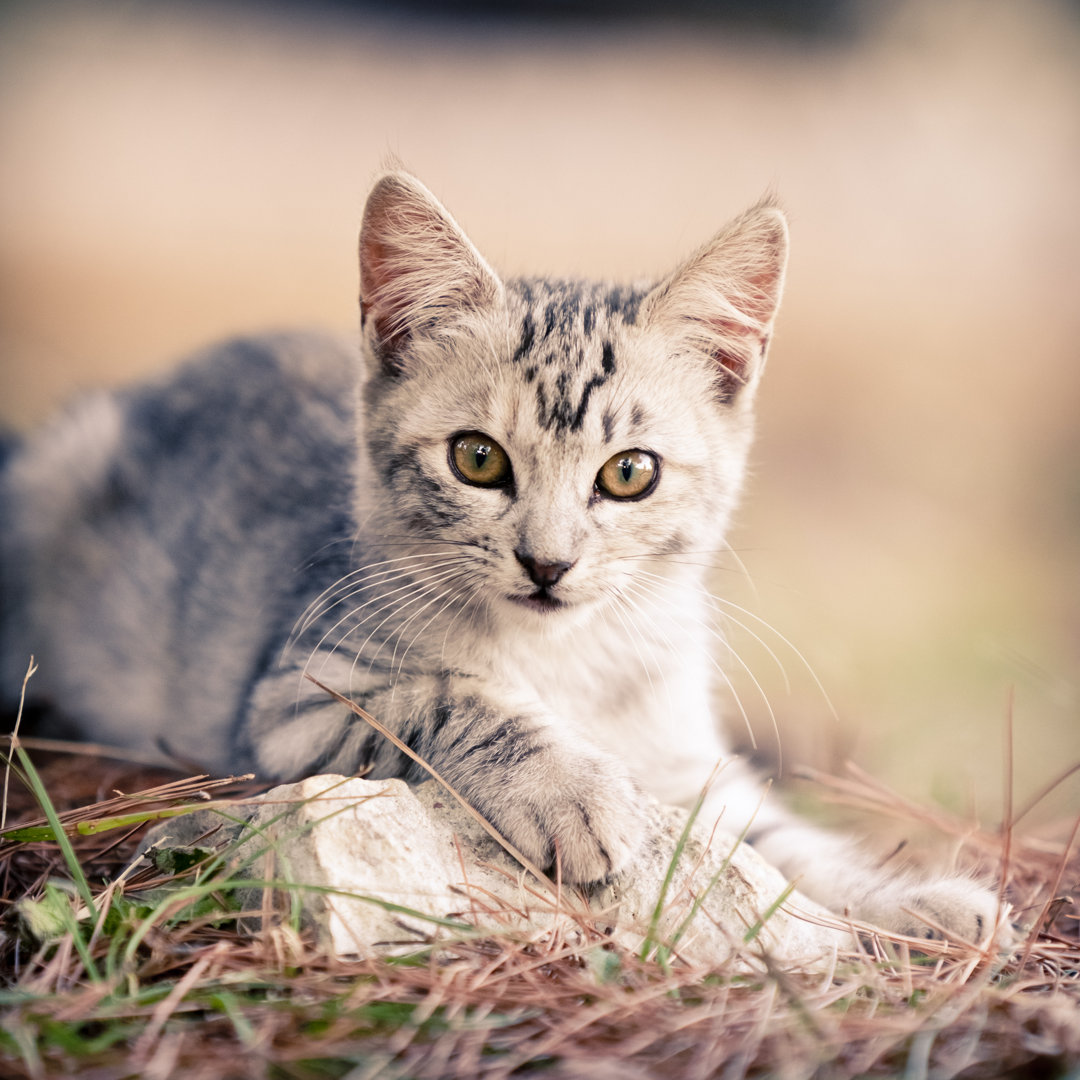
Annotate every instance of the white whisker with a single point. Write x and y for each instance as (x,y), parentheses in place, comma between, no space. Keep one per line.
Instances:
(448,597)
(474,595)
(451,599)
(621,599)
(388,601)
(711,599)
(342,589)
(643,590)
(415,592)
(743,569)
(808,667)
(725,611)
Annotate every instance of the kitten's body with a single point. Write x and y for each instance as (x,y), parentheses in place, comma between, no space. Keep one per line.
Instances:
(177,556)
(168,537)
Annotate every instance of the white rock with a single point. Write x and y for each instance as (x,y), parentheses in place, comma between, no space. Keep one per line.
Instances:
(380,866)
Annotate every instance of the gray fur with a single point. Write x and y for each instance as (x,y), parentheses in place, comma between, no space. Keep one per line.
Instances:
(177,556)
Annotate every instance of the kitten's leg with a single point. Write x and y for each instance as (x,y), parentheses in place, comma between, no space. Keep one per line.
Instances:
(833,870)
(543,788)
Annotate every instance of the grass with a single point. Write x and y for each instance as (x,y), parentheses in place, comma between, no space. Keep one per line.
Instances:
(125,977)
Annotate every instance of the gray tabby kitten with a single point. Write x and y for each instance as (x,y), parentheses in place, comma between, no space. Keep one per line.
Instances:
(491,529)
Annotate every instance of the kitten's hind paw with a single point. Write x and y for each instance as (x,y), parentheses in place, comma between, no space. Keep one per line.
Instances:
(954,908)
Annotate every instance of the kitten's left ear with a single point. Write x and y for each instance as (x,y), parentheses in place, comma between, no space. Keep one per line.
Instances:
(722,301)
(417,268)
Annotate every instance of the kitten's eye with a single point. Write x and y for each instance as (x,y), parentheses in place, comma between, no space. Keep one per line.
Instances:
(630,474)
(480,460)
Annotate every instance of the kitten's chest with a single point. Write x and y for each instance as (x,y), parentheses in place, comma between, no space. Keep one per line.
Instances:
(577,677)
(610,682)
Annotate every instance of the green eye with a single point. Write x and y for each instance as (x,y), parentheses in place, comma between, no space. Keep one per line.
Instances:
(479,460)
(630,474)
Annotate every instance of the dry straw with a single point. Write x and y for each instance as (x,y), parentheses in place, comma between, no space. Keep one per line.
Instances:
(128,978)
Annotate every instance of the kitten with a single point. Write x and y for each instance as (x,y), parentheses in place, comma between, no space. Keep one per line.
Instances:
(490,527)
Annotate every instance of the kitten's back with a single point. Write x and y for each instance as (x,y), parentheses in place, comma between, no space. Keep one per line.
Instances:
(162,532)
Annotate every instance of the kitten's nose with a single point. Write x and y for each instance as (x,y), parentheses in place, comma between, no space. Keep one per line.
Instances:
(542,574)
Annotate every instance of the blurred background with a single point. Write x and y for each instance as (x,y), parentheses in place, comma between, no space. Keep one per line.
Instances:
(170,173)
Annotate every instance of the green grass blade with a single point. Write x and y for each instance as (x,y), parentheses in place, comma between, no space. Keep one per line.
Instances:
(32,834)
(658,909)
(700,899)
(769,913)
(37,833)
(68,852)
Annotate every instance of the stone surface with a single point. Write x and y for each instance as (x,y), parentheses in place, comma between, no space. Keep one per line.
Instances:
(380,866)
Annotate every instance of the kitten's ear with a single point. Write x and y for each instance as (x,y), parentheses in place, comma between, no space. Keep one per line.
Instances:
(722,301)
(416,267)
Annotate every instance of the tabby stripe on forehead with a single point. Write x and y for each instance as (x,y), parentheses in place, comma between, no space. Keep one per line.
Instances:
(528,335)
(561,414)
(625,301)
(607,361)
(549,318)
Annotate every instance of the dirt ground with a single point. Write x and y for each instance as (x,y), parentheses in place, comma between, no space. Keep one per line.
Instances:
(170,174)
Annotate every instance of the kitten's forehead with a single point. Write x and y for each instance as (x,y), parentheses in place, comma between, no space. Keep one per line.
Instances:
(558,306)
(568,347)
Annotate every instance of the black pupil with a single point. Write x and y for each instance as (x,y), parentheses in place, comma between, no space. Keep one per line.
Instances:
(627,467)
(480,455)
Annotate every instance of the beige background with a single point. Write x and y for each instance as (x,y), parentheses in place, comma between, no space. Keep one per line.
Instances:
(169,174)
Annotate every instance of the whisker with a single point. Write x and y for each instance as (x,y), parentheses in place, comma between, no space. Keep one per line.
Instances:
(641,586)
(715,600)
(388,603)
(474,595)
(622,599)
(399,632)
(395,607)
(743,569)
(383,595)
(451,598)
(724,611)
(345,582)
(711,599)
(314,558)
(352,614)
(706,559)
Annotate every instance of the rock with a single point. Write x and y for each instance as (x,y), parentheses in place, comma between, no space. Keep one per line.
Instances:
(380,866)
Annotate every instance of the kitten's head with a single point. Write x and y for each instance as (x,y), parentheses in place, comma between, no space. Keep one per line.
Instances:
(558,438)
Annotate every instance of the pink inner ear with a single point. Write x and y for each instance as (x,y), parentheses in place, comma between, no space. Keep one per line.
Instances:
(379,300)
(373,279)
(731,375)
(734,362)
(389,343)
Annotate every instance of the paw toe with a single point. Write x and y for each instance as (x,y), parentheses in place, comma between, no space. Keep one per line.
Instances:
(947,908)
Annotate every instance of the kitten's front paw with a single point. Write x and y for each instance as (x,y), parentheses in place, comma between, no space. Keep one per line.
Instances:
(948,907)
(578,808)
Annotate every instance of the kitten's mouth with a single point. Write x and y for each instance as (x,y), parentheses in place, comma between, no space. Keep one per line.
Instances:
(541,600)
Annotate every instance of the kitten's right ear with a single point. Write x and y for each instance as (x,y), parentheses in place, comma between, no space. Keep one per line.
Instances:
(416,268)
